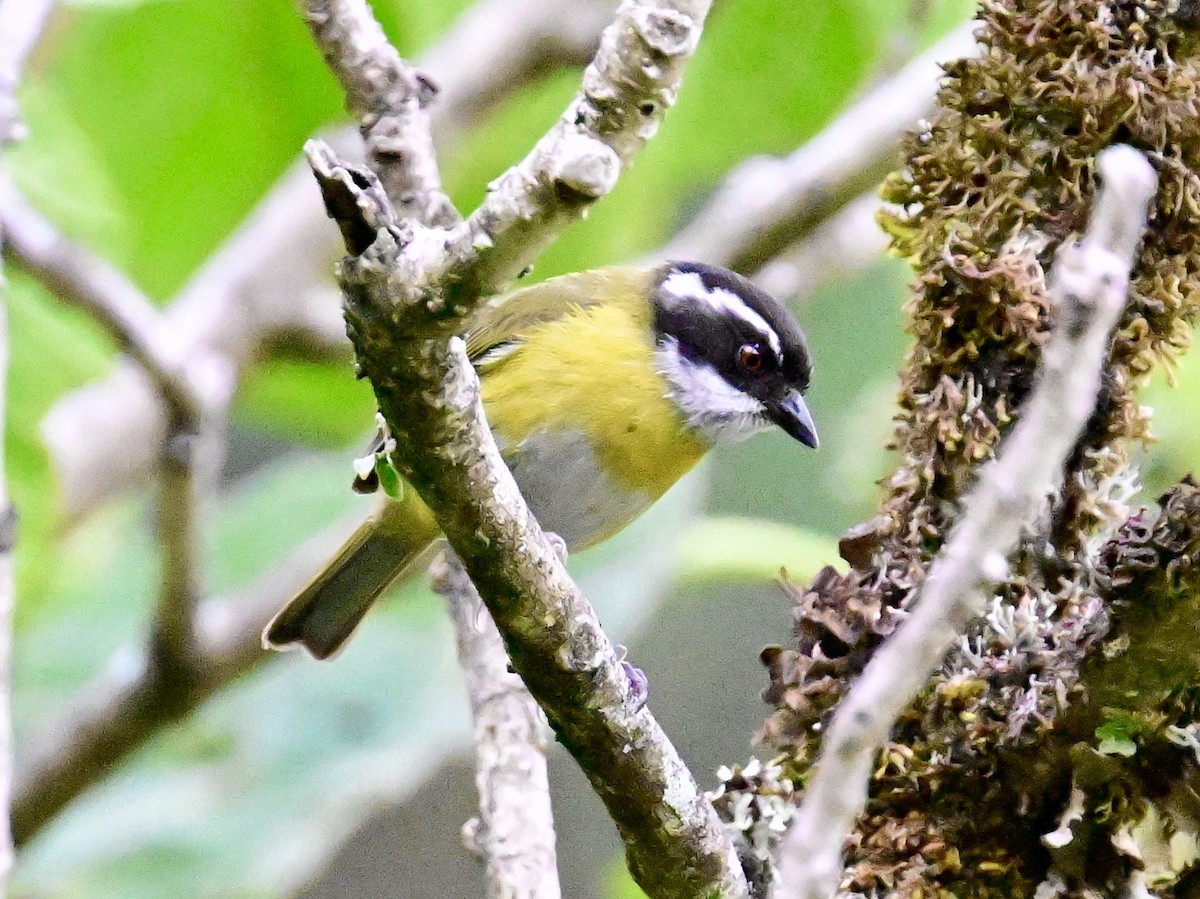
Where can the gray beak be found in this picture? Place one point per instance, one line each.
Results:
(792, 415)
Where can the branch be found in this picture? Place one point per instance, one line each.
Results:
(79, 277)
(388, 98)
(1089, 286)
(429, 395)
(509, 42)
(626, 89)
(261, 283)
(256, 274)
(766, 204)
(514, 832)
(86, 281)
(397, 281)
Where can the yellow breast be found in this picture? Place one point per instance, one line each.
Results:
(591, 373)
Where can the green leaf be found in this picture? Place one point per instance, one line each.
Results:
(1118, 736)
(751, 549)
(389, 478)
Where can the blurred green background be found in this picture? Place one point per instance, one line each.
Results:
(155, 128)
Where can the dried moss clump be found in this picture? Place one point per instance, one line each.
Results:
(994, 184)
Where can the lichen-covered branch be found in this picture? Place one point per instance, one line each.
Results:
(632, 80)
(388, 97)
(429, 395)
(514, 830)
(1088, 293)
(406, 288)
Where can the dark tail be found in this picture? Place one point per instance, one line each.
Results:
(325, 613)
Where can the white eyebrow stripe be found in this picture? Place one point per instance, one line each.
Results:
(690, 284)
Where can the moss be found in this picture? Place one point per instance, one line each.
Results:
(993, 184)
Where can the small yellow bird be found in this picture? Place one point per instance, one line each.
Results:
(602, 388)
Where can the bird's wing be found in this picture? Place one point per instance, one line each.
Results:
(503, 322)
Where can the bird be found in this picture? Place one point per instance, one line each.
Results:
(602, 388)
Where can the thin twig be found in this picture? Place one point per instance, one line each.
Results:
(387, 97)
(1088, 289)
(766, 204)
(78, 276)
(514, 831)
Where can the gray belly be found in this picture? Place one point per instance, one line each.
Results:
(566, 490)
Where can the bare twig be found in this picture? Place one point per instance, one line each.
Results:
(1088, 288)
(514, 831)
(83, 279)
(766, 204)
(122, 708)
(272, 276)
(388, 98)
(843, 244)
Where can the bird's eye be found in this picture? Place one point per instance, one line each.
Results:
(750, 358)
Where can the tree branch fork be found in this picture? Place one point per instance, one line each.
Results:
(408, 282)
(429, 394)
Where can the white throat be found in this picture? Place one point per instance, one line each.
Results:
(709, 403)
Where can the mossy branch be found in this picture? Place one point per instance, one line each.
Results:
(983, 763)
(1088, 293)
